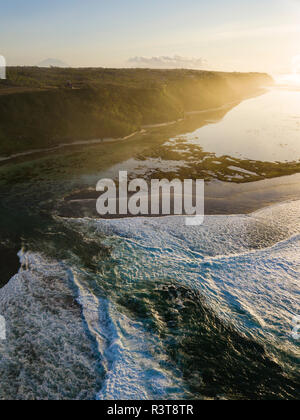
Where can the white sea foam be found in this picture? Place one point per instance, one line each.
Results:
(46, 354)
(247, 268)
(132, 357)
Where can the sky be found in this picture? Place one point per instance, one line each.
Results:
(227, 35)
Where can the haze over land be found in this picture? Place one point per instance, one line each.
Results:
(250, 35)
(117, 103)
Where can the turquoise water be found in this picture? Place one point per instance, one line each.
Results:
(170, 312)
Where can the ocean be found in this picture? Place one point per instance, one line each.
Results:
(171, 312)
(148, 308)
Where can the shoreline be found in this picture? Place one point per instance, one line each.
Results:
(143, 130)
(63, 145)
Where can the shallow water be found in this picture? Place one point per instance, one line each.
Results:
(252, 141)
(266, 128)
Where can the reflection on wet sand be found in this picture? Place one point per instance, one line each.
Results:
(233, 185)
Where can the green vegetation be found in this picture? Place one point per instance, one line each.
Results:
(44, 107)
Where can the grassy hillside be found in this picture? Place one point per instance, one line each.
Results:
(43, 107)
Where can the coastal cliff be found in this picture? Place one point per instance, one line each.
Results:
(41, 108)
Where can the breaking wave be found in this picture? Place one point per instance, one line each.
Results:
(171, 312)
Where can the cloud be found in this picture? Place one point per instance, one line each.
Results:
(52, 62)
(167, 62)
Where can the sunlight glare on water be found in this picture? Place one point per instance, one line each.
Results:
(289, 80)
(265, 128)
(292, 79)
